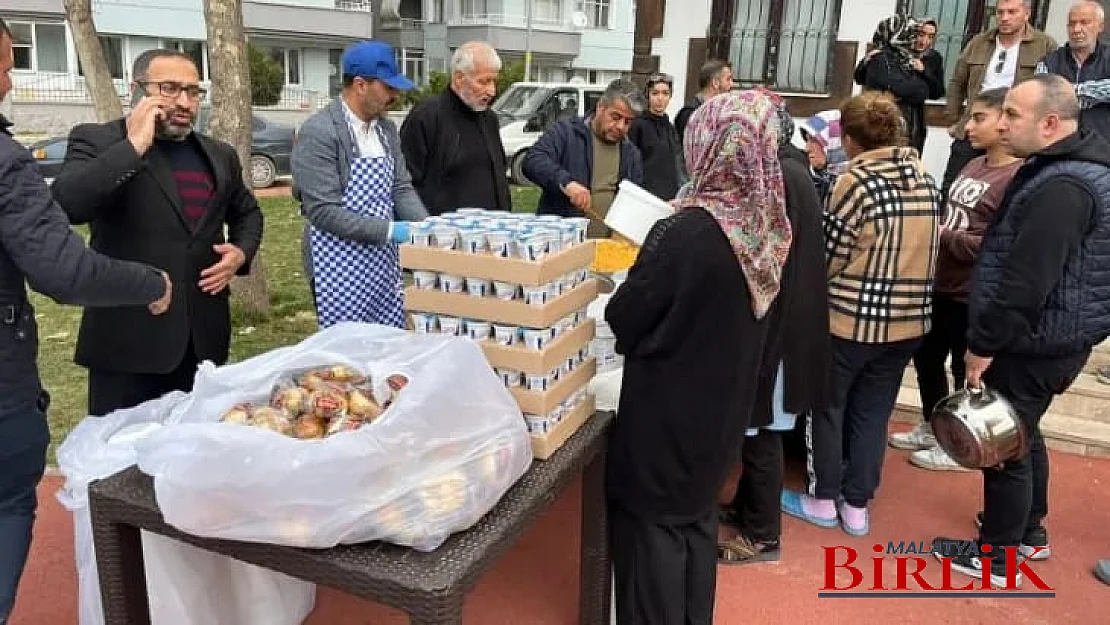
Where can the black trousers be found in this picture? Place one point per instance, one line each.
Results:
(947, 338)
(664, 574)
(960, 154)
(110, 390)
(1015, 495)
(847, 441)
(756, 503)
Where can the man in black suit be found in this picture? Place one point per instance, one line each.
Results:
(154, 191)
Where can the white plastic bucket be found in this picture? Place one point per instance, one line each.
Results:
(634, 211)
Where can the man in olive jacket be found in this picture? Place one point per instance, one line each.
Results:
(38, 247)
(1000, 57)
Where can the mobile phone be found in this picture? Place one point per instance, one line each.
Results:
(137, 95)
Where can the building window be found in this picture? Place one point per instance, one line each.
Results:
(436, 12)
(472, 9)
(785, 44)
(335, 72)
(597, 13)
(195, 50)
(113, 56)
(411, 62)
(547, 11)
(290, 61)
(960, 20)
(39, 47)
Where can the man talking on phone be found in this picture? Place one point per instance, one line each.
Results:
(37, 246)
(155, 191)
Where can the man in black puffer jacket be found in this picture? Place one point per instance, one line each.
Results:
(1040, 300)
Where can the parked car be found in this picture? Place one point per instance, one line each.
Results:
(527, 109)
(271, 147)
(49, 154)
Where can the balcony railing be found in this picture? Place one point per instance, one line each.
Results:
(353, 5)
(403, 23)
(511, 20)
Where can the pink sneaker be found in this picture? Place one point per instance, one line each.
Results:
(854, 521)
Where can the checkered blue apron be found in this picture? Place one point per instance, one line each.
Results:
(356, 281)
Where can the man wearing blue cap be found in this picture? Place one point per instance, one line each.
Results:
(355, 191)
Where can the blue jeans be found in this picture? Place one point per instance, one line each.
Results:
(24, 437)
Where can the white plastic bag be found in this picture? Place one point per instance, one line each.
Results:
(441, 456)
(185, 585)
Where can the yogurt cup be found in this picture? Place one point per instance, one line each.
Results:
(554, 289)
(537, 424)
(471, 212)
(478, 287)
(580, 225)
(506, 291)
(569, 281)
(477, 329)
(435, 220)
(531, 246)
(566, 324)
(569, 235)
(425, 280)
(501, 243)
(554, 240)
(567, 366)
(536, 339)
(449, 325)
(505, 334)
(420, 234)
(548, 219)
(451, 284)
(473, 240)
(423, 323)
(464, 222)
(556, 414)
(509, 377)
(536, 295)
(445, 237)
(539, 382)
(583, 275)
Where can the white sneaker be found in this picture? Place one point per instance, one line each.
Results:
(935, 459)
(920, 437)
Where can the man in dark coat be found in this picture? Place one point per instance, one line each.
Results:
(37, 246)
(714, 78)
(1038, 305)
(153, 190)
(452, 141)
(579, 163)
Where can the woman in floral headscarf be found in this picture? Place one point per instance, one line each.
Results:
(691, 321)
(896, 69)
(795, 364)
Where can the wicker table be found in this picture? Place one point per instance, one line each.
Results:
(430, 587)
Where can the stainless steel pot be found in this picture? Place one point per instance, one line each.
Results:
(979, 428)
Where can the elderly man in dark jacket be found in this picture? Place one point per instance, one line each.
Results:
(452, 141)
(580, 162)
(1039, 302)
(38, 246)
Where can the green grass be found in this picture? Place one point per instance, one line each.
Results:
(291, 318)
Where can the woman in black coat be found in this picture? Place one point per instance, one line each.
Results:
(895, 68)
(691, 321)
(793, 379)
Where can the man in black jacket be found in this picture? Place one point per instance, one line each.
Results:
(155, 191)
(38, 246)
(580, 162)
(452, 141)
(714, 78)
(1040, 300)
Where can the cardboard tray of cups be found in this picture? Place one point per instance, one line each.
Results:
(492, 267)
(496, 310)
(545, 445)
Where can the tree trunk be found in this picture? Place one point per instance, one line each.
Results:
(231, 120)
(98, 80)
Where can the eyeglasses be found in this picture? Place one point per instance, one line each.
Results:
(174, 89)
(1001, 61)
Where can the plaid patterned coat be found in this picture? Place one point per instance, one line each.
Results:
(881, 242)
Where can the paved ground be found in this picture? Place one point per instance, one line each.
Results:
(536, 583)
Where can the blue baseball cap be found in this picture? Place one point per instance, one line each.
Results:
(376, 60)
